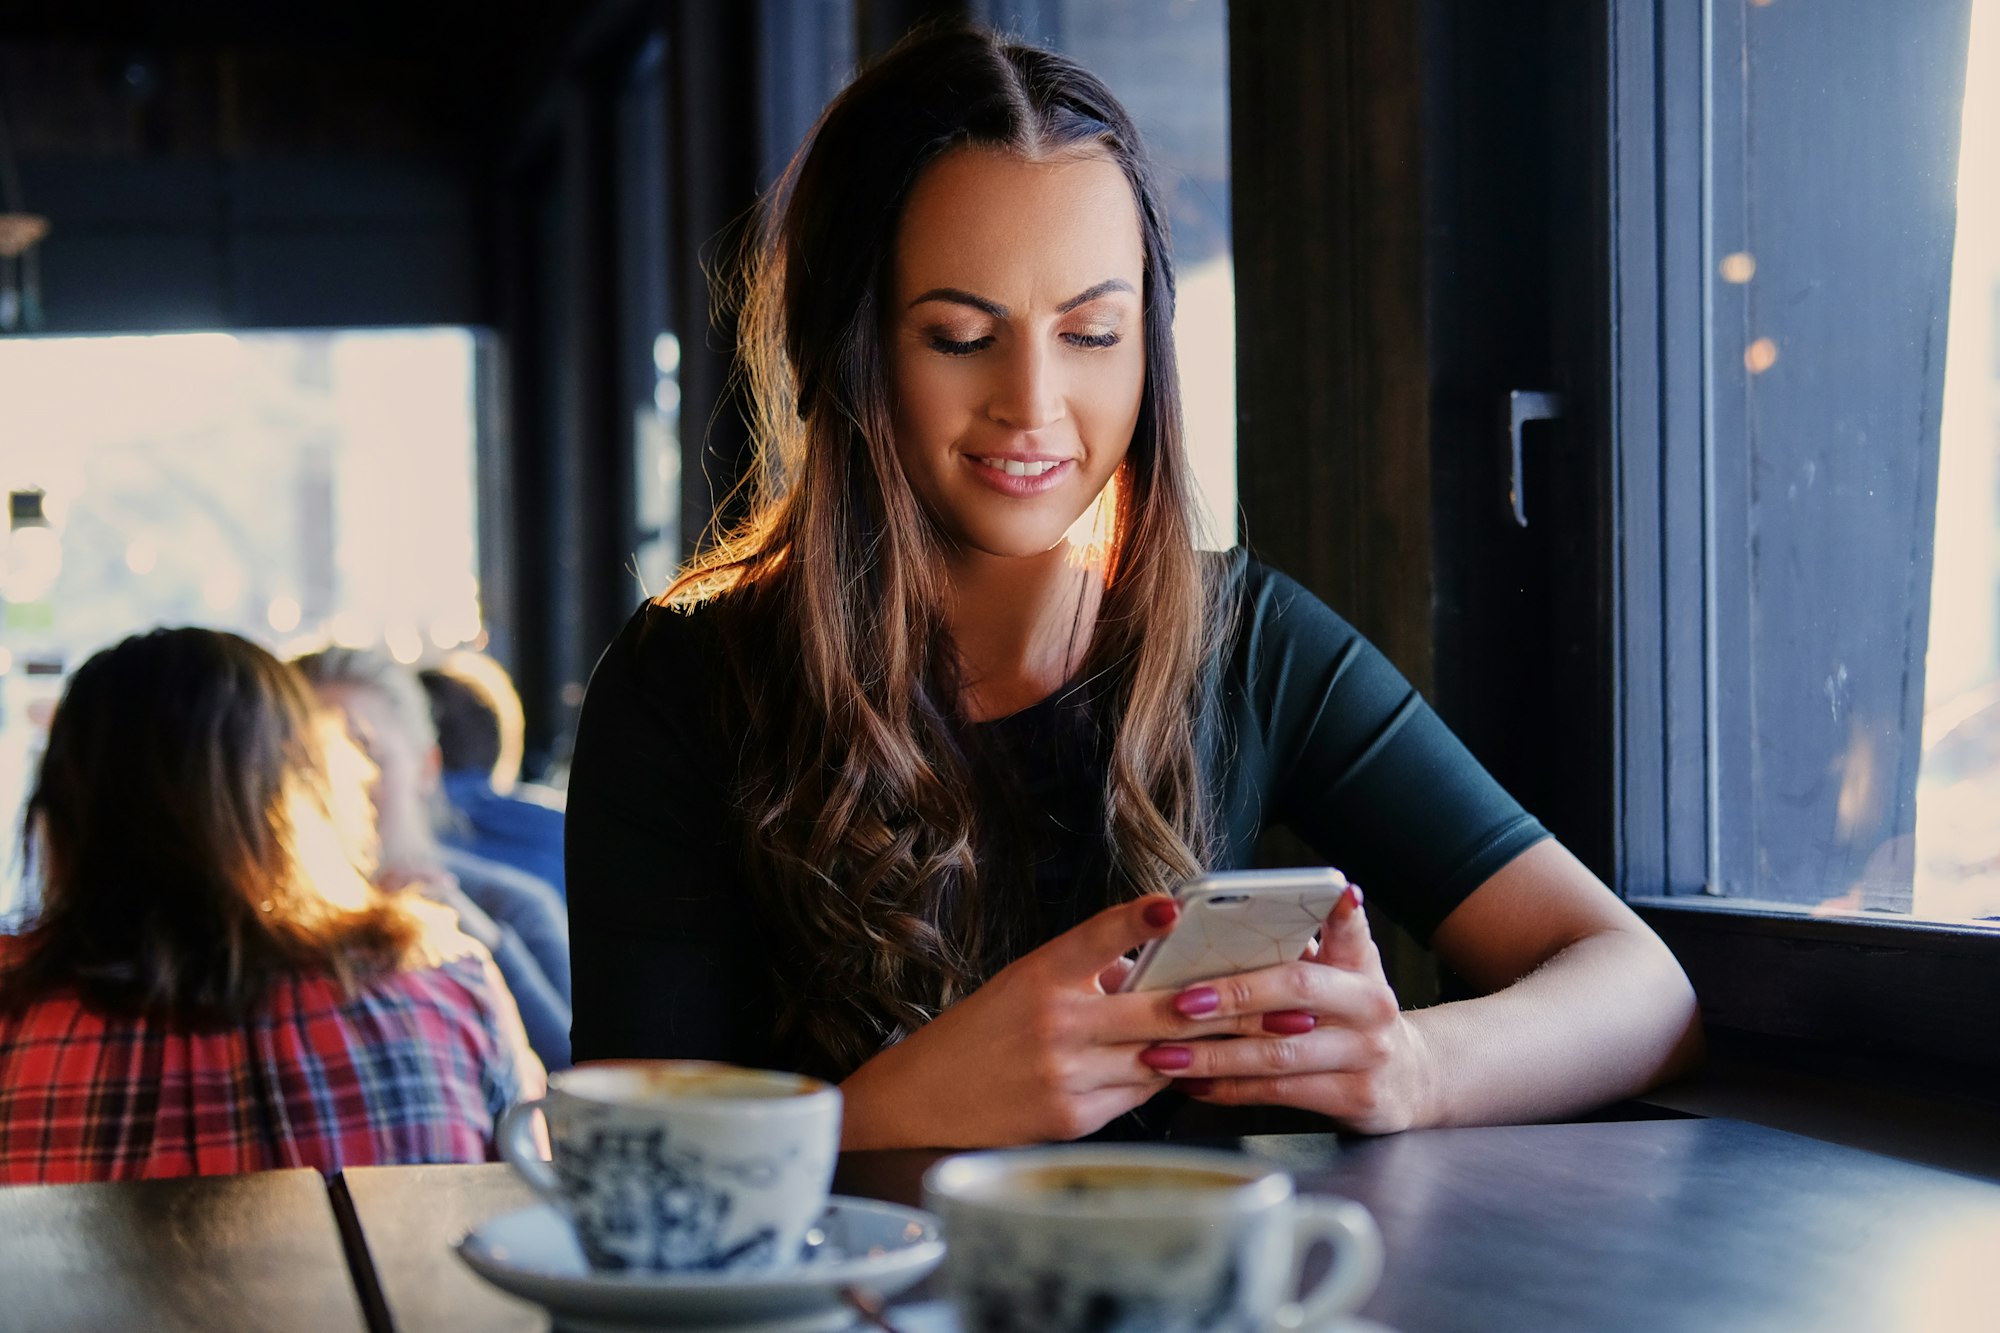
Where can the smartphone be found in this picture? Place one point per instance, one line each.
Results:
(1237, 921)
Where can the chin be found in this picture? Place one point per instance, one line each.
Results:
(1010, 541)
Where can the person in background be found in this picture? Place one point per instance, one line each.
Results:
(210, 984)
(514, 914)
(479, 730)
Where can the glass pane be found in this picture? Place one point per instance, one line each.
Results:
(1168, 62)
(296, 488)
(1958, 784)
(648, 349)
(1852, 468)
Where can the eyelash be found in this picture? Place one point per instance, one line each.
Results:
(1091, 341)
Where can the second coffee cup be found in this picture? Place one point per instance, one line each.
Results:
(674, 1166)
(1083, 1239)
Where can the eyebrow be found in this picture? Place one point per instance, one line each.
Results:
(958, 296)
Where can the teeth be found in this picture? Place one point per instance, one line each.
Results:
(1014, 467)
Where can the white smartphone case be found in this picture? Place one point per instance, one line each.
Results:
(1238, 921)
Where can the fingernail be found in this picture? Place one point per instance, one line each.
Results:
(1195, 1087)
(1290, 1022)
(1354, 898)
(1166, 1058)
(1197, 1002)
(1161, 913)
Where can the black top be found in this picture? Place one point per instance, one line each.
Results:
(1317, 732)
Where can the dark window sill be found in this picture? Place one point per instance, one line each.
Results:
(1911, 998)
(1940, 1115)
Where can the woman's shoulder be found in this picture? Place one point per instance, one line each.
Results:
(456, 984)
(1270, 609)
(660, 641)
(664, 668)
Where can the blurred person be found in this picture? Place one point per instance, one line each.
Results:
(210, 984)
(479, 729)
(516, 915)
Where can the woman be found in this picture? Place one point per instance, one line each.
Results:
(889, 781)
(211, 985)
(515, 915)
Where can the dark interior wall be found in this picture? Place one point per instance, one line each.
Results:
(231, 188)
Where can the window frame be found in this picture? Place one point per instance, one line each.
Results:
(1898, 988)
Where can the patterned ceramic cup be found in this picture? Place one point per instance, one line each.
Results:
(675, 1166)
(1142, 1237)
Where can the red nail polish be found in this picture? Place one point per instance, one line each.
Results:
(1167, 1058)
(1162, 913)
(1197, 1002)
(1355, 890)
(1290, 1022)
(1195, 1087)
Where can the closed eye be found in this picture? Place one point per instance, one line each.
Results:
(1092, 339)
(952, 347)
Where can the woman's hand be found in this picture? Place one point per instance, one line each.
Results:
(1043, 1051)
(1324, 1033)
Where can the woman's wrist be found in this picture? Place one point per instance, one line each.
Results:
(869, 1110)
(1424, 1081)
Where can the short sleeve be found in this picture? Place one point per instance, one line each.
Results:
(1327, 738)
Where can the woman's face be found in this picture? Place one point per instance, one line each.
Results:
(1017, 346)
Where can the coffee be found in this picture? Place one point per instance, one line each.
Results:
(1102, 1181)
(651, 1080)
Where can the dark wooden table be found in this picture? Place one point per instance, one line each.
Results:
(1635, 1225)
(408, 1217)
(233, 1252)
(1665, 1225)
(1649, 1225)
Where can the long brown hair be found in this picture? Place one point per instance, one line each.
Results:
(184, 829)
(866, 853)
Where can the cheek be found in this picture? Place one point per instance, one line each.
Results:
(931, 400)
(1106, 403)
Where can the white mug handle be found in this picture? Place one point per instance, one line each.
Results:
(1357, 1261)
(514, 1137)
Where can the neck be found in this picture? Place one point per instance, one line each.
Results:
(1022, 625)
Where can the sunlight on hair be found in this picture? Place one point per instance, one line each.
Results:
(322, 852)
(493, 683)
(1090, 537)
(345, 812)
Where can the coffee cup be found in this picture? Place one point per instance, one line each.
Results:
(1117, 1239)
(679, 1166)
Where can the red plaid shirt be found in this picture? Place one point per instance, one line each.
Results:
(413, 1068)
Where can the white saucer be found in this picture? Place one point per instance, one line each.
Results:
(936, 1317)
(878, 1248)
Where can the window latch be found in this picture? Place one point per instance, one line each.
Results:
(1524, 405)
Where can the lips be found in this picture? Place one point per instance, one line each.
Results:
(1020, 476)
(1020, 467)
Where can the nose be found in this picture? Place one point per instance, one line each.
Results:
(1026, 394)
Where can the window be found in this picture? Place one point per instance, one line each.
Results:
(650, 352)
(1810, 460)
(296, 488)
(1168, 62)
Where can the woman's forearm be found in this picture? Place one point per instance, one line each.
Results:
(1607, 1017)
